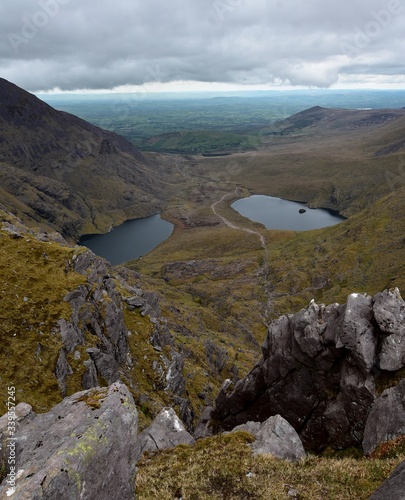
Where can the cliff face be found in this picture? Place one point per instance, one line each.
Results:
(320, 369)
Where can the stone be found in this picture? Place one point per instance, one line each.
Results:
(22, 413)
(386, 420)
(389, 312)
(275, 437)
(203, 427)
(90, 378)
(62, 370)
(105, 365)
(166, 431)
(394, 487)
(82, 448)
(134, 302)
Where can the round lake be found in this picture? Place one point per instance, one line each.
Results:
(130, 240)
(276, 213)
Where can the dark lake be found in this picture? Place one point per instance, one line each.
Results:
(276, 213)
(130, 240)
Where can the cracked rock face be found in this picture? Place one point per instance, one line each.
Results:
(82, 448)
(318, 370)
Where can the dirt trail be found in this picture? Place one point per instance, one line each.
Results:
(264, 272)
(231, 224)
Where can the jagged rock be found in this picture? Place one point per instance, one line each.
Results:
(62, 370)
(90, 378)
(386, 420)
(151, 307)
(317, 371)
(204, 428)
(394, 487)
(389, 312)
(134, 302)
(82, 448)
(96, 308)
(166, 431)
(186, 412)
(105, 364)
(175, 382)
(71, 335)
(216, 357)
(275, 437)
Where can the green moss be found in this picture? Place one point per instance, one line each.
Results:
(94, 398)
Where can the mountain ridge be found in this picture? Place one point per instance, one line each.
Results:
(72, 175)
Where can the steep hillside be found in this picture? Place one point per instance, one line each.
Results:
(62, 171)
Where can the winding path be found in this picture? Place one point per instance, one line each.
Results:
(231, 224)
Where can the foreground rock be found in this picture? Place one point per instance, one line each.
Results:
(318, 370)
(275, 437)
(166, 431)
(386, 420)
(394, 487)
(82, 448)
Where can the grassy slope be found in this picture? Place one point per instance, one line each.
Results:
(33, 282)
(331, 163)
(223, 467)
(366, 253)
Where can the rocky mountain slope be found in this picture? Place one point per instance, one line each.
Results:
(73, 176)
(70, 321)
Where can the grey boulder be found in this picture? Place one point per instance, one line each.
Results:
(275, 437)
(165, 432)
(81, 449)
(386, 420)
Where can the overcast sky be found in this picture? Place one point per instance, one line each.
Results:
(110, 44)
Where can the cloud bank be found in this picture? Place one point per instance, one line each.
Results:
(100, 44)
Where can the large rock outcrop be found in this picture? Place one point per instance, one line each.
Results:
(97, 310)
(319, 368)
(82, 449)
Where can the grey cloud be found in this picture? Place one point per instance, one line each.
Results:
(71, 44)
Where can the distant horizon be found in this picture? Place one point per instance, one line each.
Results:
(212, 91)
